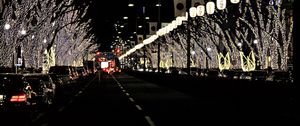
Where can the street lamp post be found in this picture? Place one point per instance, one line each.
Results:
(144, 36)
(158, 44)
(188, 63)
(257, 64)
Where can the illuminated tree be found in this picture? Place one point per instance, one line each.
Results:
(59, 28)
(262, 27)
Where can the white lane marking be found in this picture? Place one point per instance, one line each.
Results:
(71, 101)
(61, 109)
(131, 99)
(138, 107)
(149, 120)
(38, 117)
(80, 92)
(115, 79)
(45, 124)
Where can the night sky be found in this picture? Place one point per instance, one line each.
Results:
(104, 16)
(105, 13)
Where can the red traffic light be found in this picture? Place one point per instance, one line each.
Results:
(117, 51)
(98, 53)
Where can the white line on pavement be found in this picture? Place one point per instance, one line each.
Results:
(38, 117)
(131, 99)
(149, 120)
(61, 109)
(45, 124)
(138, 107)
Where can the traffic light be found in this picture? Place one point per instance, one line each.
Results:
(117, 51)
(98, 53)
(98, 56)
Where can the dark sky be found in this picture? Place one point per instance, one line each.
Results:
(105, 13)
(103, 21)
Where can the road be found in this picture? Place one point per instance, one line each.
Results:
(116, 100)
(125, 100)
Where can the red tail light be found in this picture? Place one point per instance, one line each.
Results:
(105, 70)
(18, 98)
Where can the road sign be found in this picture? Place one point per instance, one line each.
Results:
(18, 64)
(19, 61)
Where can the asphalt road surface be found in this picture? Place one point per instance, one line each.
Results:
(123, 100)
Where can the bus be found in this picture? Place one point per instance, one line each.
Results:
(110, 66)
(108, 62)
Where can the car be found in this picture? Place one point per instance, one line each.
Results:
(63, 72)
(44, 88)
(280, 77)
(173, 70)
(229, 74)
(195, 71)
(15, 92)
(213, 74)
(246, 76)
(57, 81)
(259, 75)
(81, 71)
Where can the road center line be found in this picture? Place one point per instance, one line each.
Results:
(38, 117)
(131, 99)
(61, 109)
(139, 107)
(80, 92)
(45, 124)
(148, 119)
